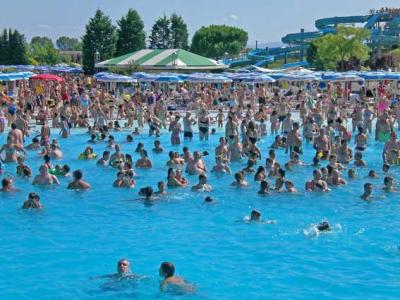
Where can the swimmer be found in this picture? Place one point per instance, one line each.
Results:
(167, 271)
(358, 160)
(289, 185)
(87, 154)
(221, 167)
(372, 174)
(92, 140)
(161, 188)
(315, 230)
(157, 147)
(323, 226)
(7, 186)
(129, 138)
(367, 192)
(208, 199)
(32, 202)
(123, 271)
(255, 215)
(35, 145)
(202, 185)
(78, 183)
(385, 168)
(144, 162)
(239, 180)
(135, 131)
(104, 161)
(23, 169)
(388, 184)
(44, 177)
(351, 173)
(147, 193)
(264, 188)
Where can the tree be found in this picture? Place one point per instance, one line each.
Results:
(334, 51)
(217, 41)
(43, 40)
(179, 33)
(13, 49)
(100, 37)
(160, 37)
(65, 43)
(43, 52)
(131, 36)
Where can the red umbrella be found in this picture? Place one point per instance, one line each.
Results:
(47, 77)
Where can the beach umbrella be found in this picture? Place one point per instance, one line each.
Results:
(47, 77)
(42, 69)
(111, 77)
(341, 77)
(392, 76)
(167, 79)
(259, 79)
(304, 77)
(207, 78)
(140, 75)
(15, 76)
(372, 75)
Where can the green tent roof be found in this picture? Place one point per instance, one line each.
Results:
(163, 59)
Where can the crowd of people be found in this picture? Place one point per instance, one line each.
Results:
(327, 118)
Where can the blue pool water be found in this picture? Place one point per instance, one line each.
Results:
(53, 253)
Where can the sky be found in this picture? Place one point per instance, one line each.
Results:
(265, 20)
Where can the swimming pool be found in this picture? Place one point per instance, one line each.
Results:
(53, 253)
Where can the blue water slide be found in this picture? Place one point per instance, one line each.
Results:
(334, 21)
(300, 37)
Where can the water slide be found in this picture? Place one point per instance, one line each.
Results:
(297, 43)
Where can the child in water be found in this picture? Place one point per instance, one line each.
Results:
(178, 284)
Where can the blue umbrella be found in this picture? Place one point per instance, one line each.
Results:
(304, 77)
(167, 79)
(15, 76)
(341, 77)
(372, 75)
(259, 79)
(111, 77)
(392, 76)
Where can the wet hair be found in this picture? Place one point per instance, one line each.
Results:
(323, 226)
(264, 184)
(46, 158)
(367, 185)
(66, 168)
(202, 177)
(256, 214)
(5, 182)
(78, 174)
(26, 171)
(387, 179)
(34, 195)
(168, 269)
(208, 199)
(128, 158)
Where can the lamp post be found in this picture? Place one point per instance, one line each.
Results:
(96, 58)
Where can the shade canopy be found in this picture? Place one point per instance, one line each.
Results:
(162, 59)
(111, 77)
(15, 76)
(47, 77)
